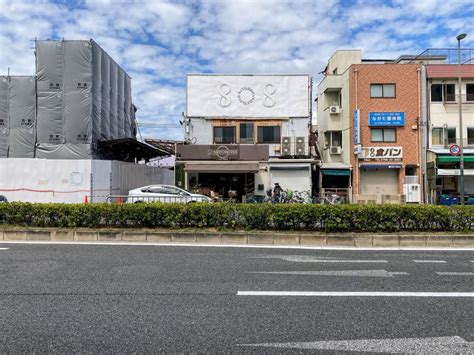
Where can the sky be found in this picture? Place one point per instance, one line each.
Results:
(159, 42)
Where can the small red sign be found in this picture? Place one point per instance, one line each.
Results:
(454, 149)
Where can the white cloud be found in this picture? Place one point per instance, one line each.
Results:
(159, 41)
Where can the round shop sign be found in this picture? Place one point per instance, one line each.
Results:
(454, 149)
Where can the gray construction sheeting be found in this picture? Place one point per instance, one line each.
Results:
(4, 121)
(121, 104)
(64, 151)
(128, 107)
(96, 91)
(22, 117)
(17, 116)
(114, 134)
(105, 107)
(83, 97)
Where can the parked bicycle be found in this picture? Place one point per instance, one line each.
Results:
(332, 199)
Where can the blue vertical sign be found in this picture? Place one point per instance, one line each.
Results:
(356, 126)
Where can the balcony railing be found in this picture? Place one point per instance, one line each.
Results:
(445, 56)
(468, 143)
(453, 99)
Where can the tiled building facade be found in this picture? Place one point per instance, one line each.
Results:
(369, 119)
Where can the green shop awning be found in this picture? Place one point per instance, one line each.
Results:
(454, 159)
(336, 172)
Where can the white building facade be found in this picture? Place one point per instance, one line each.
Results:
(245, 133)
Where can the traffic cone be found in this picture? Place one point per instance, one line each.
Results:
(119, 200)
(86, 200)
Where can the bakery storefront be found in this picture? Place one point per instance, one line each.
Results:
(214, 170)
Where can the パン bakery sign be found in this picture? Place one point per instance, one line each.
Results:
(382, 153)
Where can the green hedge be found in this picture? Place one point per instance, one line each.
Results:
(324, 218)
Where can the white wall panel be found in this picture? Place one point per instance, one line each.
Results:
(263, 96)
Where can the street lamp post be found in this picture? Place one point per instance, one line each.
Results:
(461, 145)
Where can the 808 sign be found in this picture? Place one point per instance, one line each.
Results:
(246, 95)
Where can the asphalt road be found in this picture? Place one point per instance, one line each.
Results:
(128, 298)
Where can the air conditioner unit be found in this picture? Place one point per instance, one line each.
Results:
(333, 110)
(286, 146)
(335, 150)
(301, 146)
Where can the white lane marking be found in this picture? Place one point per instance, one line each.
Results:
(4, 248)
(351, 273)
(456, 273)
(243, 246)
(435, 345)
(354, 294)
(430, 261)
(312, 259)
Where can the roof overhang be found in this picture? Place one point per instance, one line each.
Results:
(128, 149)
(230, 167)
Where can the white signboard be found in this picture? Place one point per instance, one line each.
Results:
(382, 153)
(257, 96)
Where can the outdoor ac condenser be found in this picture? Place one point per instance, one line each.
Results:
(301, 146)
(286, 146)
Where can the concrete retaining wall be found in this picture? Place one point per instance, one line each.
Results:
(241, 237)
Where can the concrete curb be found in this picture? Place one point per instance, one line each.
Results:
(362, 240)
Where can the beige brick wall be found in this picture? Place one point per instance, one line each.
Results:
(407, 78)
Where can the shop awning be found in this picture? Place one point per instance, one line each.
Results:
(454, 159)
(290, 167)
(336, 172)
(381, 166)
(454, 172)
(221, 167)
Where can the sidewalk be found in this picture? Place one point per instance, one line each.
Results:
(363, 240)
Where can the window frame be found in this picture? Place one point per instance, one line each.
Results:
(223, 127)
(470, 95)
(383, 129)
(383, 95)
(442, 136)
(447, 135)
(252, 137)
(269, 142)
(444, 92)
(467, 135)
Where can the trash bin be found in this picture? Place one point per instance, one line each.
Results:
(445, 200)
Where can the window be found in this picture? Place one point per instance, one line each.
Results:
(333, 138)
(246, 133)
(437, 136)
(443, 136)
(382, 90)
(442, 92)
(451, 135)
(383, 134)
(269, 134)
(470, 135)
(224, 135)
(469, 92)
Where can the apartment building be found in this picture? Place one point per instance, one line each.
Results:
(369, 119)
(442, 103)
(246, 132)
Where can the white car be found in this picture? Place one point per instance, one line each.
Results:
(164, 193)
